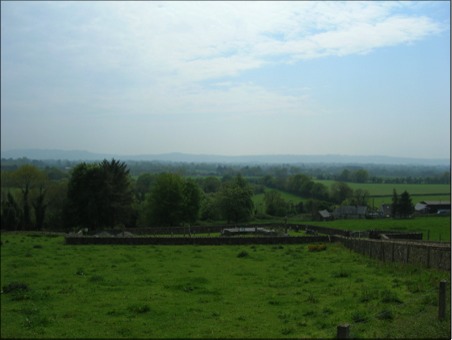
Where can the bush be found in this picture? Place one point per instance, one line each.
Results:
(316, 247)
(243, 253)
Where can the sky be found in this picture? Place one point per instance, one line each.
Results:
(227, 78)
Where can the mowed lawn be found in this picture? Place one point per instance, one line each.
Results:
(54, 290)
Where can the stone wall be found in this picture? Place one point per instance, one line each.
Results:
(82, 240)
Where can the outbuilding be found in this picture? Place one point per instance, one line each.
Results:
(432, 207)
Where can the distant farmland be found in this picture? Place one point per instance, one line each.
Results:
(379, 193)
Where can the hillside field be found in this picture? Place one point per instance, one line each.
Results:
(379, 193)
(382, 192)
(54, 290)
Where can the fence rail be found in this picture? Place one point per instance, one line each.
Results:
(426, 254)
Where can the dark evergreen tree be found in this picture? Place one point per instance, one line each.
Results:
(39, 207)
(406, 207)
(99, 195)
(395, 204)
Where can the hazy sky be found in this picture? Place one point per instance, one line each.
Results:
(231, 78)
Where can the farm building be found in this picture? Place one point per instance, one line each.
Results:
(432, 207)
(350, 211)
(325, 215)
(248, 231)
(386, 210)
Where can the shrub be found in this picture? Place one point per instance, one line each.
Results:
(243, 253)
(316, 247)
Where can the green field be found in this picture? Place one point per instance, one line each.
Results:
(383, 191)
(433, 228)
(379, 193)
(210, 291)
(259, 203)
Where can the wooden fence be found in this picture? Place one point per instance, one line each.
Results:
(431, 255)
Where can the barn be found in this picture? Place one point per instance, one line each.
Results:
(432, 207)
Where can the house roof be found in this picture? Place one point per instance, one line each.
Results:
(436, 202)
(420, 206)
(325, 213)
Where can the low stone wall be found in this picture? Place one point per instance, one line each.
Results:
(193, 229)
(325, 230)
(424, 254)
(83, 240)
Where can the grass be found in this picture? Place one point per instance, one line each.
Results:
(382, 192)
(379, 193)
(433, 228)
(385, 189)
(60, 291)
(259, 203)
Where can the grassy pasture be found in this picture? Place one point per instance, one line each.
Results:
(434, 228)
(383, 191)
(380, 193)
(259, 203)
(386, 188)
(210, 291)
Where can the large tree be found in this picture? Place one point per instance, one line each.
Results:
(99, 195)
(406, 207)
(235, 200)
(10, 212)
(340, 191)
(173, 200)
(275, 205)
(28, 178)
(395, 203)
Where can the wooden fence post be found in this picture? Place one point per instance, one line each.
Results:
(442, 300)
(343, 331)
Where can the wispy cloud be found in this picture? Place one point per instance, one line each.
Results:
(151, 59)
(203, 40)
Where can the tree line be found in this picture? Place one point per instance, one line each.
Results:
(106, 195)
(368, 173)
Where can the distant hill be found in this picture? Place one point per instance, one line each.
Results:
(81, 155)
